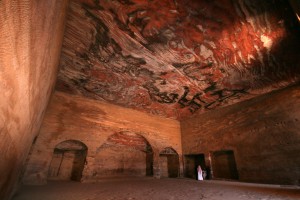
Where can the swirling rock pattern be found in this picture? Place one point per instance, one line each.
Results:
(176, 57)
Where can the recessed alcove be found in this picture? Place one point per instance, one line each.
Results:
(68, 160)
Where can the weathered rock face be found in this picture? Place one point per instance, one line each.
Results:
(29, 57)
(119, 141)
(68, 161)
(259, 137)
(173, 58)
(124, 153)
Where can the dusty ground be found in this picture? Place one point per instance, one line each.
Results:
(156, 189)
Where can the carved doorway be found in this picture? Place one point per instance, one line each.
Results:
(190, 165)
(68, 161)
(224, 165)
(169, 163)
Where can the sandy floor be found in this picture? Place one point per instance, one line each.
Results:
(156, 189)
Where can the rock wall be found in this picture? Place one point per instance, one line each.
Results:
(29, 55)
(120, 141)
(263, 134)
(175, 58)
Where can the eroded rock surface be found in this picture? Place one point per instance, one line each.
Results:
(174, 58)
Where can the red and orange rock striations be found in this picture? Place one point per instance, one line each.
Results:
(173, 58)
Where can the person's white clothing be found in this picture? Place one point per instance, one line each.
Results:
(199, 170)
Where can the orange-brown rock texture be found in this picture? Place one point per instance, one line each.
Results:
(29, 55)
(148, 87)
(263, 134)
(174, 58)
(119, 141)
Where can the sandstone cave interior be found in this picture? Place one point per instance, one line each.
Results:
(110, 91)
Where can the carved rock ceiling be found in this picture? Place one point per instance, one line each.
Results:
(176, 57)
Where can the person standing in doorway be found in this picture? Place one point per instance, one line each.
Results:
(199, 170)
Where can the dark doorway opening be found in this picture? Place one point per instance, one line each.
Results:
(224, 165)
(169, 163)
(68, 161)
(149, 163)
(191, 162)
